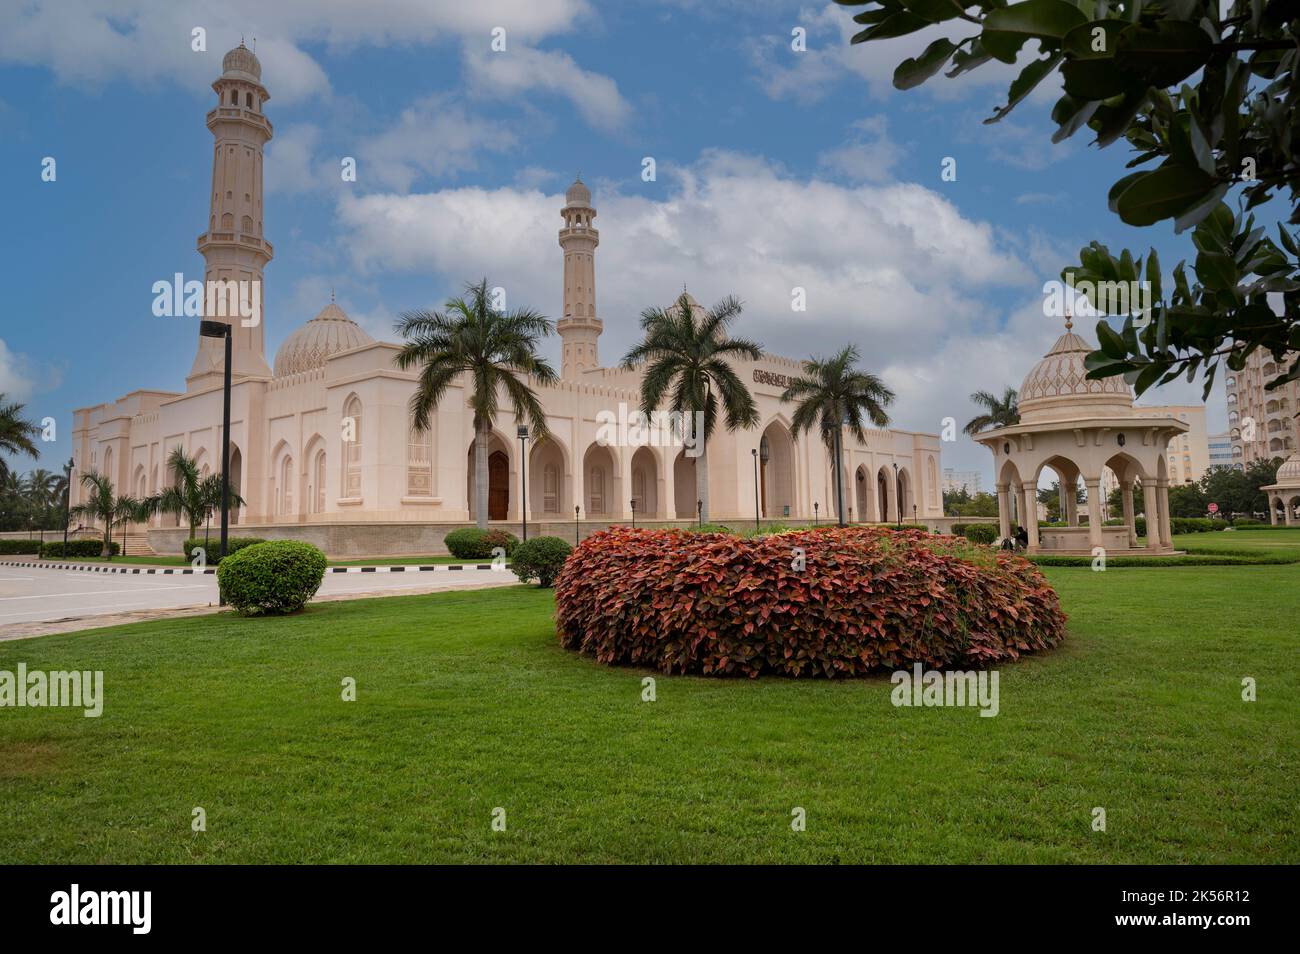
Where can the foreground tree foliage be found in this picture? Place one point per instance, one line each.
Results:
(1206, 102)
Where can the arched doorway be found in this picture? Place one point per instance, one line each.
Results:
(883, 496)
(645, 482)
(905, 499)
(776, 472)
(548, 490)
(600, 482)
(684, 487)
(498, 484)
(862, 493)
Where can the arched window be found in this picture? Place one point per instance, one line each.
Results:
(597, 490)
(286, 485)
(551, 489)
(419, 462)
(248, 100)
(352, 447)
(318, 483)
(227, 221)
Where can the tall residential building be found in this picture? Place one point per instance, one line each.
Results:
(1262, 424)
(957, 479)
(1188, 454)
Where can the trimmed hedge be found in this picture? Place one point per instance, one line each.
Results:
(23, 547)
(839, 602)
(77, 548)
(471, 543)
(278, 576)
(233, 545)
(981, 533)
(540, 559)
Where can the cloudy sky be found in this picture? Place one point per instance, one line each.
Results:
(776, 168)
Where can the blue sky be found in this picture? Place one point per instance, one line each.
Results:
(775, 169)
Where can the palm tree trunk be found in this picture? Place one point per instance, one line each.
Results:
(481, 474)
(107, 549)
(839, 477)
(702, 480)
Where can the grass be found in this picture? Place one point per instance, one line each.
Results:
(1213, 548)
(465, 703)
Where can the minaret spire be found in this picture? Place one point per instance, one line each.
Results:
(579, 328)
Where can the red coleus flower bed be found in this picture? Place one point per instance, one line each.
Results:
(866, 598)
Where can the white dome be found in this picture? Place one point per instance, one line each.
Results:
(1057, 387)
(242, 63)
(578, 194)
(1288, 471)
(311, 345)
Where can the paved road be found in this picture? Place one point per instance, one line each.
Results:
(39, 594)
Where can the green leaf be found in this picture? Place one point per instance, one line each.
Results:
(1163, 193)
(1216, 271)
(1163, 56)
(1006, 29)
(1112, 345)
(1153, 276)
(936, 11)
(1070, 115)
(1024, 84)
(898, 24)
(913, 72)
(1194, 214)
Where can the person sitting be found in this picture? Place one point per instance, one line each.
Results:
(1022, 538)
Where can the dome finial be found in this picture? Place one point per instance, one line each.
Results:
(1069, 323)
(331, 294)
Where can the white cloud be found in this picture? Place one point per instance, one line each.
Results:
(518, 69)
(868, 156)
(90, 42)
(436, 137)
(21, 376)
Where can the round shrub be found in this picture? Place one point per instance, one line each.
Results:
(981, 533)
(213, 547)
(540, 559)
(279, 576)
(847, 602)
(471, 543)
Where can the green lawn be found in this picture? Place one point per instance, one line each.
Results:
(466, 703)
(181, 561)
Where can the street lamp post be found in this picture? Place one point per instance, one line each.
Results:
(699, 513)
(757, 518)
(898, 499)
(220, 329)
(576, 508)
(67, 502)
(633, 513)
(523, 476)
(815, 506)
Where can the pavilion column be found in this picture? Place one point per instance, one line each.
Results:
(624, 509)
(1272, 510)
(1094, 510)
(1029, 514)
(1151, 509)
(1286, 510)
(1166, 536)
(1129, 519)
(667, 491)
(1071, 511)
(1004, 511)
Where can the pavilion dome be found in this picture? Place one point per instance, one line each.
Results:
(1058, 388)
(578, 194)
(1289, 471)
(311, 345)
(242, 63)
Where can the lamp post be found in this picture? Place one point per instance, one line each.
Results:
(914, 513)
(67, 501)
(576, 508)
(633, 513)
(220, 329)
(757, 518)
(699, 513)
(523, 476)
(815, 506)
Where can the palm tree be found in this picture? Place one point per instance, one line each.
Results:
(17, 435)
(192, 495)
(103, 504)
(40, 488)
(686, 352)
(496, 349)
(998, 412)
(834, 394)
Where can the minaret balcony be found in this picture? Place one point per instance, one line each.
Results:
(243, 239)
(240, 114)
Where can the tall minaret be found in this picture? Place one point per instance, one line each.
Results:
(579, 328)
(233, 247)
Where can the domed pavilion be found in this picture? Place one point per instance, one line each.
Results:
(1078, 427)
(1284, 492)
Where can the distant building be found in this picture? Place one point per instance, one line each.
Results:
(1262, 424)
(1221, 451)
(954, 480)
(1188, 454)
